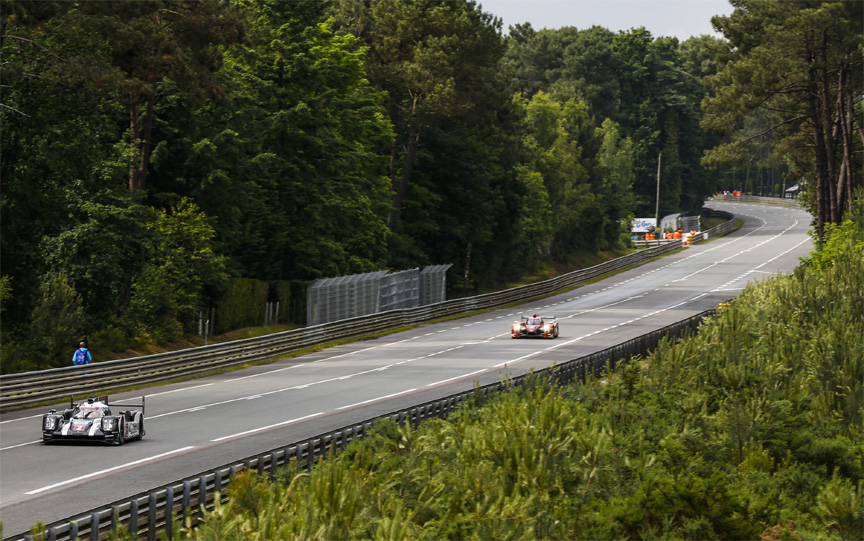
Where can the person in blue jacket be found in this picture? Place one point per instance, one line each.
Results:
(81, 355)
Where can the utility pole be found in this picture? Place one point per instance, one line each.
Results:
(657, 208)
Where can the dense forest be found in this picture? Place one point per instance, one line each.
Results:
(750, 430)
(155, 152)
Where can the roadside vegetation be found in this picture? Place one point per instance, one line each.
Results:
(753, 429)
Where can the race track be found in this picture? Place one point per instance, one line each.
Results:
(197, 425)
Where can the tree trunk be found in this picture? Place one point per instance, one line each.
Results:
(467, 267)
(818, 147)
(856, 122)
(141, 143)
(400, 187)
(845, 112)
(829, 139)
(133, 130)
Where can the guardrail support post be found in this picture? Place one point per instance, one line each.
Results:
(94, 527)
(186, 490)
(151, 517)
(169, 512)
(133, 518)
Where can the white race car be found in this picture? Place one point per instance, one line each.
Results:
(92, 420)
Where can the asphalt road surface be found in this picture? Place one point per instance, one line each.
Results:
(198, 425)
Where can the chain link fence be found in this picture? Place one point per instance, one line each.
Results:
(689, 223)
(345, 297)
(400, 290)
(433, 284)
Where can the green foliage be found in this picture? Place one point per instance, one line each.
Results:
(105, 244)
(169, 292)
(840, 505)
(616, 199)
(839, 240)
(243, 305)
(56, 328)
(315, 140)
(5, 291)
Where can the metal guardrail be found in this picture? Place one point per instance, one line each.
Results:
(722, 229)
(162, 508)
(759, 200)
(32, 388)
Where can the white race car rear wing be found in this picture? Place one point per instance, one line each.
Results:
(104, 399)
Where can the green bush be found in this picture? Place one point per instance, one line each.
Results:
(243, 306)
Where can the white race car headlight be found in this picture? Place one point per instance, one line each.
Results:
(50, 423)
(547, 328)
(108, 424)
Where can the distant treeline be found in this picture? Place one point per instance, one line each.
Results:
(151, 152)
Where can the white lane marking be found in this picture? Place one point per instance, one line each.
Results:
(292, 388)
(283, 423)
(778, 256)
(728, 285)
(183, 389)
(406, 361)
(457, 377)
(443, 351)
(125, 465)
(769, 239)
(376, 399)
(264, 373)
(346, 354)
(20, 445)
(21, 419)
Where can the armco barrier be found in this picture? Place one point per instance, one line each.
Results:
(151, 512)
(31, 388)
(759, 200)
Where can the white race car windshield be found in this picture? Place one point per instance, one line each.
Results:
(88, 413)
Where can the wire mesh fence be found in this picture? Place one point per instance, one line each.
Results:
(433, 284)
(400, 290)
(689, 223)
(345, 297)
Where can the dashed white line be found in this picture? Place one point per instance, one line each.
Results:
(183, 389)
(263, 428)
(124, 465)
(20, 445)
(458, 377)
(376, 399)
